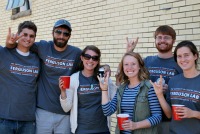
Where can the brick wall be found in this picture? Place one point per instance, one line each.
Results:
(106, 23)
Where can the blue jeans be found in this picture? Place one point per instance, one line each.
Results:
(17, 127)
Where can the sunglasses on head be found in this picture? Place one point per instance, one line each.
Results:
(59, 32)
(88, 57)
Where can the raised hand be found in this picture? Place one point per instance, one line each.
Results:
(131, 44)
(103, 82)
(158, 86)
(12, 38)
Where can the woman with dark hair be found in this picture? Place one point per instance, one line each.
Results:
(83, 97)
(184, 89)
(135, 97)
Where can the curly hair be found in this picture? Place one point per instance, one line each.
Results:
(143, 73)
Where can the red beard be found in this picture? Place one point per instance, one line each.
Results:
(168, 47)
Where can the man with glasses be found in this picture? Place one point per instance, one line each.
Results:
(57, 58)
(161, 64)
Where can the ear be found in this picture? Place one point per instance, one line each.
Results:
(81, 58)
(173, 41)
(195, 56)
(70, 36)
(52, 33)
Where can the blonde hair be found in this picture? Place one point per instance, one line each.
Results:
(143, 73)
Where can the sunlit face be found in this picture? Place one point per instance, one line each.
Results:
(90, 60)
(131, 66)
(60, 37)
(186, 59)
(164, 43)
(26, 41)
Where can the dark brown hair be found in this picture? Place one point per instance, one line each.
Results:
(98, 52)
(189, 45)
(27, 24)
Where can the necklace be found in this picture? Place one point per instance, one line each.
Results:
(90, 80)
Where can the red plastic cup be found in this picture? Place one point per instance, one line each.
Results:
(175, 116)
(120, 119)
(66, 81)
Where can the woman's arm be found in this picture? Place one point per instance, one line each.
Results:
(154, 119)
(158, 88)
(66, 96)
(66, 102)
(110, 107)
(130, 125)
(155, 109)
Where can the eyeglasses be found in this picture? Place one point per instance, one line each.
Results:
(88, 57)
(59, 32)
(165, 38)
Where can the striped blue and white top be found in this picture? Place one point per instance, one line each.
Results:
(128, 102)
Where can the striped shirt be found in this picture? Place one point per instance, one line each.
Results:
(128, 102)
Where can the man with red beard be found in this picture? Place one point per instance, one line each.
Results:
(161, 64)
(57, 58)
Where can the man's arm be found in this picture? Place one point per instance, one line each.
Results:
(131, 44)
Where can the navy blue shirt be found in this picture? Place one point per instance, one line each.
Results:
(18, 77)
(54, 64)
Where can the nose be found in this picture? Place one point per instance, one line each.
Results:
(162, 40)
(90, 59)
(129, 67)
(28, 38)
(61, 35)
(181, 58)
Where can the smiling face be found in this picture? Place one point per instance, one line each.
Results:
(89, 60)
(186, 59)
(61, 36)
(131, 66)
(26, 41)
(164, 43)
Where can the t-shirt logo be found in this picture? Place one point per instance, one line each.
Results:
(88, 89)
(165, 72)
(24, 70)
(59, 63)
(184, 94)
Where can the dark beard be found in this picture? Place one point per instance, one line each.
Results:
(59, 44)
(167, 49)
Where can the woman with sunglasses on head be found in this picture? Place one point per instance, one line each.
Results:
(184, 89)
(135, 97)
(83, 97)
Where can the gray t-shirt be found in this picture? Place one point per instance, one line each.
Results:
(18, 76)
(166, 67)
(90, 114)
(159, 66)
(54, 64)
(185, 91)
